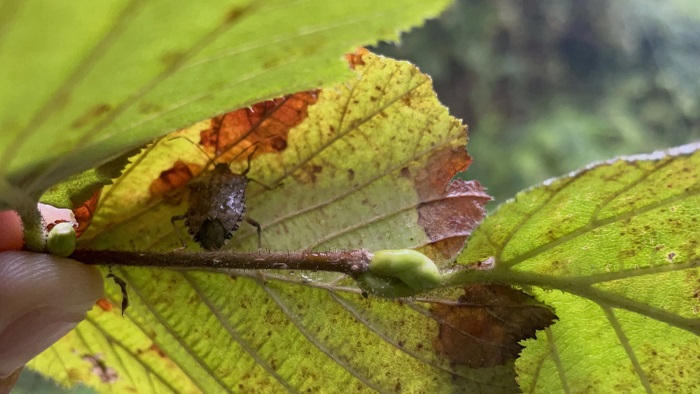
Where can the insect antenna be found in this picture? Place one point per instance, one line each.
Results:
(247, 169)
(212, 160)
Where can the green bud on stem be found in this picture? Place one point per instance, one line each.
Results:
(61, 240)
(399, 273)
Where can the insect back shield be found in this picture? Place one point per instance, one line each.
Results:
(217, 206)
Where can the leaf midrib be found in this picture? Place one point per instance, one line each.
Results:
(569, 285)
(594, 226)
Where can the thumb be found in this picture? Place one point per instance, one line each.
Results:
(42, 298)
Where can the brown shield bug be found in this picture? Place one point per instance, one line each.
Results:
(217, 207)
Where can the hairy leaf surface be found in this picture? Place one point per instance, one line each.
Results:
(82, 85)
(615, 249)
(369, 166)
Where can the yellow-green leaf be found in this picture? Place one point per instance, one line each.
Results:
(615, 249)
(368, 167)
(80, 187)
(84, 83)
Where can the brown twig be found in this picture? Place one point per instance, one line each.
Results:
(350, 262)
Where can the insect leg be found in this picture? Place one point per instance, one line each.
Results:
(250, 157)
(264, 185)
(177, 231)
(247, 169)
(122, 285)
(257, 226)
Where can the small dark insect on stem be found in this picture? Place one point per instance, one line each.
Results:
(122, 285)
(350, 262)
(217, 205)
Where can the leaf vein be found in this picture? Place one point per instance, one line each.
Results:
(631, 185)
(377, 218)
(119, 343)
(538, 371)
(76, 76)
(605, 297)
(526, 218)
(346, 192)
(427, 313)
(557, 362)
(624, 341)
(64, 367)
(164, 323)
(355, 313)
(280, 39)
(596, 225)
(202, 43)
(342, 133)
(92, 352)
(631, 273)
(294, 319)
(237, 336)
(8, 12)
(107, 194)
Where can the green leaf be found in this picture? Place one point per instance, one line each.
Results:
(30, 382)
(368, 167)
(615, 249)
(79, 188)
(84, 84)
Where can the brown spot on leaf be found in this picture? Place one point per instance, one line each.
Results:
(449, 219)
(449, 210)
(158, 350)
(351, 174)
(148, 108)
(173, 179)
(106, 373)
(626, 254)
(265, 125)
(172, 58)
(90, 115)
(104, 304)
(279, 144)
(486, 326)
(315, 169)
(355, 58)
(83, 214)
(671, 256)
(668, 366)
(235, 13)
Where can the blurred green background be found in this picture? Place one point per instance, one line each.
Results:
(548, 86)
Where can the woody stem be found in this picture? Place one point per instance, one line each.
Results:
(350, 262)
